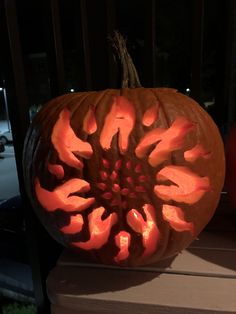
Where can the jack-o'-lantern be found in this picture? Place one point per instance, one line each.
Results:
(125, 177)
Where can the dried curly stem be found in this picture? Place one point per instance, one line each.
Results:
(130, 76)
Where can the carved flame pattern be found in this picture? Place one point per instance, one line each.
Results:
(156, 146)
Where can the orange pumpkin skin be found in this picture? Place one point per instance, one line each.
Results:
(230, 154)
(125, 177)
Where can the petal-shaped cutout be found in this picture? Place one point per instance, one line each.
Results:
(175, 217)
(75, 225)
(150, 115)
(196, 152)
(121, 118)
(122, 240)
(67, 143)
(60, 198)
(90, 123)
(99, 229)
(168, 140)
(189, 188)
(56, 170)
(148, 228)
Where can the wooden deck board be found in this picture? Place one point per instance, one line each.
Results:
(202, 279)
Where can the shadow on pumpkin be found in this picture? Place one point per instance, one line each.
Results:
(78, 278)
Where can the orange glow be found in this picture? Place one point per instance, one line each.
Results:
(60, 197)
(167, 141)
(99, 229)
(122, 240)
(148, 228)
(119, 120)
(196, 152)
(75, 225)
(67, 143)
(190, 187)
(175, 217)
(56, 170)
(89, 123)
(151, 115)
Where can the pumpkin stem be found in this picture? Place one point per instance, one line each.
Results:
(130, 76)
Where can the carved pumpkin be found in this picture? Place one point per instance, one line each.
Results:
(127, 176)
(230, 153)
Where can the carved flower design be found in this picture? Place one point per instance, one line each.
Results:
(122, 185)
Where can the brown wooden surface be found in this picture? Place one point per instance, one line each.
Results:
(202, 279)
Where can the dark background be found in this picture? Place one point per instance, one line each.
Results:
(50, 47)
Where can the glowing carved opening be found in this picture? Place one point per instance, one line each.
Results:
(99, 229)
(125, 191)
(175, 217)
(56, 170)
(67, 143)
(102, 186)
(122, 240)
(60, 198)
(107, 195)
(118, 164)
(168, 141)
(130, 180)
(196, 152)
(138, 168)
(75, 225)
(128, 165)
(190, 187)
(142, 178)
(103, 175)
(116, 188)
(114, 175)
(106, 163)
(120, 119)
(89, 123)
(151, 115)
(148, 228)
